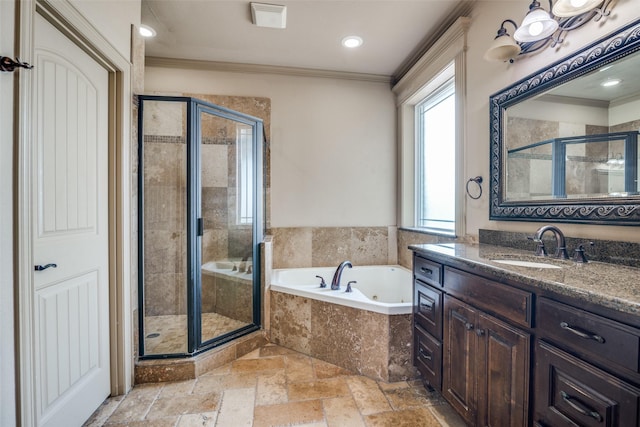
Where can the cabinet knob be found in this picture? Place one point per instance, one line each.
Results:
(468, 326)
(479, 332)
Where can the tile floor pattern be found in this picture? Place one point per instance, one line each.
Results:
(274, 386)
(168, 334)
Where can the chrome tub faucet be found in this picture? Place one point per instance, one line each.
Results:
(335, 283)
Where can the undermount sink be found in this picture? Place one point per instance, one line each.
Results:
(530, 264)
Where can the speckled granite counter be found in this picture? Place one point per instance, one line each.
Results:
(613, 286)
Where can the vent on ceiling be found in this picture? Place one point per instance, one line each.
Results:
(269, 15)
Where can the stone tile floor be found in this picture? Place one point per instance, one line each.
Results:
(168, 334)
(274, 386)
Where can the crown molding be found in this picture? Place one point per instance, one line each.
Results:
(462, 9)
(439, 55)
(234, 67)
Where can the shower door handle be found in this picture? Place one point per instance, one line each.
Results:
(200, 226)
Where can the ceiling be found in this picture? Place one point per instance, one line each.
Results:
(395, 32)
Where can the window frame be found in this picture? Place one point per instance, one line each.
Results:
(446, 58)
(433, 98)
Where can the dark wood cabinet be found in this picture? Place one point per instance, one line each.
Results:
(486, 367)
(502, 371)
(427, 321)
(506, 353)
(459, 368)
(571, 392)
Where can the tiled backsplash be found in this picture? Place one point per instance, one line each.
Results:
(299, 247)
(623, 253)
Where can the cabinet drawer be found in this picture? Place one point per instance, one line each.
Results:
(427, 271)
(427, 306)
(589, 335)
(427, 356)
(572, 392)
(503, 300)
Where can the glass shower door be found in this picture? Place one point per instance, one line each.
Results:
(163, 224)
(200, 201)
(226, 196)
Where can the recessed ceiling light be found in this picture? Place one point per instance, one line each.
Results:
(147, 31)
(352, 41)
(610, 82)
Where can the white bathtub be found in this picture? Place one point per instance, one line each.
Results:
(380, 288)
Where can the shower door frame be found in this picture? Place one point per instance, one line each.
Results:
(194, 108)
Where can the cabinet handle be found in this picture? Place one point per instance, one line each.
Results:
(424, 355)
(479, 332)
(468, 326)
(581, 333)
(426, 306)
(580, 407)
(426, 270)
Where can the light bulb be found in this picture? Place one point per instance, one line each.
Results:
(536, 28)
(352, 41)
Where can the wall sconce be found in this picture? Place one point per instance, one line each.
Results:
(540, 28)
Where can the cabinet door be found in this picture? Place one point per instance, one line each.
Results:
(502, 372)
(459, 357)
(570, 392)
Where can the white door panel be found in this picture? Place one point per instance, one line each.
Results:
(70, 230)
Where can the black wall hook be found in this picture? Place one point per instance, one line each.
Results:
(9, 65)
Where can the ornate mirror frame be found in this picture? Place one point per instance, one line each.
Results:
(612, 211)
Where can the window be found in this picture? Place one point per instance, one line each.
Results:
(436, 161)
(431, 137)
(244, 144)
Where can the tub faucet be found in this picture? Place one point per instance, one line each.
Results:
(335, 283)
(561, 247)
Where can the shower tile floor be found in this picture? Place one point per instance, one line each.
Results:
(168, 334)
(274, 386)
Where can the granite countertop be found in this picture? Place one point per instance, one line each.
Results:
(609, 285)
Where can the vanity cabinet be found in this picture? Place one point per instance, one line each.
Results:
(467, 343)
(485, 366)
(506, 351)
(427, 321)
(585, 364)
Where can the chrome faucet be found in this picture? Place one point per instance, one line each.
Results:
(561, 247)
(335, 283)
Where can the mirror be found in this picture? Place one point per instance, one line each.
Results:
(564, 141)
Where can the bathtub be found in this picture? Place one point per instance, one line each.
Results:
(367, 331)
(380, 288)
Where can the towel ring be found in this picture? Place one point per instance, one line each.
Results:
(477, 180)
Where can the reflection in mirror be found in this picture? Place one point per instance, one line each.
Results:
(587, 166)
(576, 119)
(564, 141)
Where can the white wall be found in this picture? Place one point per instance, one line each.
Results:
(113, 19)
(486, 78)
(7, 374)
(332, 143)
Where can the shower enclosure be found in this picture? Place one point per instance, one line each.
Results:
(201, 221)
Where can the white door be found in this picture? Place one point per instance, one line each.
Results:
(70, 230)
